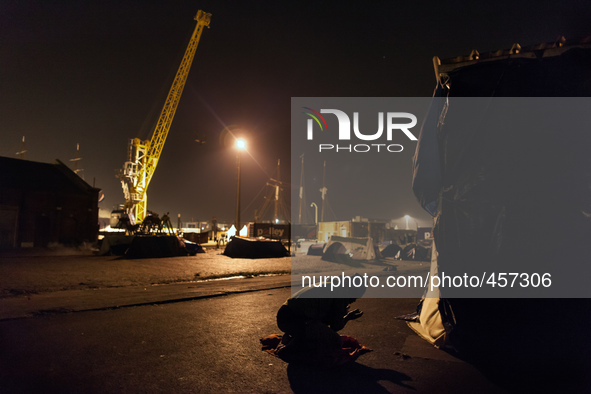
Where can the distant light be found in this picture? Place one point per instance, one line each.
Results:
(244, 231)
(276, 220)
(241, 144)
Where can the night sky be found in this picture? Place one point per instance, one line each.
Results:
(97, 72)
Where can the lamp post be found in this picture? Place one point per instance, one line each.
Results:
(407, 218)
(315, 212)
(240, 146)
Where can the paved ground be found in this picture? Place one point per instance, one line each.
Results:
(31, 273)
(211, 345)
(44, 299)
(72, 280)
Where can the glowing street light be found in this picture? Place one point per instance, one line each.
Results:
(240, 146)
(406, 217)
(315, 212)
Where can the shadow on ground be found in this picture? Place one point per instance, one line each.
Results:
(350, 378)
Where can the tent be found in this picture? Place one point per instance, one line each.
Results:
(416, 252)
(192, 247)
(341, 249)
(316, 249)
(155, 246)
(392, 250)
(255, 248)
(336, 252)
(115, 244)
(508, 185)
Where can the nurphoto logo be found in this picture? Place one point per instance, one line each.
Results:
(395, 122)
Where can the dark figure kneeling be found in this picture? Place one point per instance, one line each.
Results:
(311, 323)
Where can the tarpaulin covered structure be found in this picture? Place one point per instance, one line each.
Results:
(416, 252)
(509, 185)
(255, 248)
(392, 250)
(341, 249)
(115, 244)
(156, 246)
(316, 249)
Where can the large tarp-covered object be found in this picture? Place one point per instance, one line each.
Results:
(342, 249)
(520, 193)
(255, 248)
(416, 252)
(115, 244)
(392, 250)
(155, 246)
(316, 249)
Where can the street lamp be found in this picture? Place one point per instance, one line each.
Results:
(407, 218)
(240, 146)
(315, 212)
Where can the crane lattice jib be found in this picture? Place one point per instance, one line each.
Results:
(156, 143)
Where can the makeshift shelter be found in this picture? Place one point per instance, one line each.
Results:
(316, 249)
(392, 250)
(155, 246)
(192, 248)
(415, 252)
(508, 185)
(255, 248)
(115, 244)
(340, 249)
(336, 252)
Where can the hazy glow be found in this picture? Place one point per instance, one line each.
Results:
(244, 231)
(241, 144)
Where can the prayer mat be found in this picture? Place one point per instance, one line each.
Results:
(313, 353)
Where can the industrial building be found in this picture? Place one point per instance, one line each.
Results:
(43, 204)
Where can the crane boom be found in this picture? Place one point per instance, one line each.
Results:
(143, 156)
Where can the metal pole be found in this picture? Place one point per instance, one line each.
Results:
(238, 196)
(323, 190)
(301, 190)
(315, 212)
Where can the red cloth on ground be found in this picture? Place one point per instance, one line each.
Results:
(350, 350)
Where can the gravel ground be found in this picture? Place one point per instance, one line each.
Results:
(29, 273)
(23, 274)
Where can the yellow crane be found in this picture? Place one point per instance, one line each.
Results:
(143, 156)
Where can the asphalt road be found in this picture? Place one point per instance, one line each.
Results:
(211, 345)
